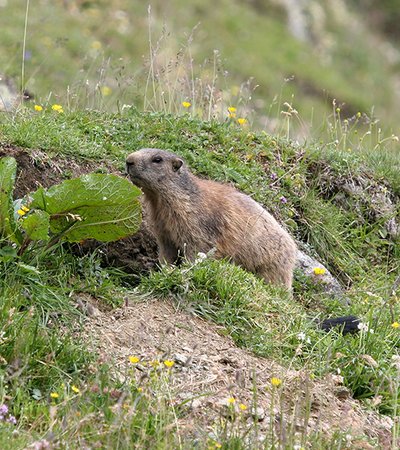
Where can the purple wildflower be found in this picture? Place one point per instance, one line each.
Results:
(273, 176)
(3, 410)
(12, 419)
(283, 199)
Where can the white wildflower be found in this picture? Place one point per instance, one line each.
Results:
(364, 327)
(302, 337)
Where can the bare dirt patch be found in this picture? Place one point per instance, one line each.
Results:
(36, 169)
(209, 369)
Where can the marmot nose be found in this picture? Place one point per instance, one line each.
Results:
(128, 165)
(130, 159)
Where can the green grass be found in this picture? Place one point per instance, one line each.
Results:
(273, 325)
(38, 312)
(71, 59)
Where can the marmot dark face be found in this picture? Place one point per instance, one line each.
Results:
(152, 169)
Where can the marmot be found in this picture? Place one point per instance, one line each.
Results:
(190, 215)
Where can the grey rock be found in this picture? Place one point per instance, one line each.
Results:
(8, 94)
(393, 228)
(328, 282)
(181, 359)
(258, 413)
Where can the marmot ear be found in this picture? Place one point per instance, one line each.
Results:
(176, 164)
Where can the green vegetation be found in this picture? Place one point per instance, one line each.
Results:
(94, 206)
(96, 54)
(338, 193)
(351, 241)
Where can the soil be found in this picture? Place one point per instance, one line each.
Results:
(205, 360)
(209, 369)
(36, 169)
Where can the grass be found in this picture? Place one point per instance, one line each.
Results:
(335, 196)
(272, 325)
(349, 240)
(103, 67)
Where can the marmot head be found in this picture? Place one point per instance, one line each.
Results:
(153, 169)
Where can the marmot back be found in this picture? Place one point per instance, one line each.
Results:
(190, 215)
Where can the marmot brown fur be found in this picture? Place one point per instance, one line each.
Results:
(190, 215)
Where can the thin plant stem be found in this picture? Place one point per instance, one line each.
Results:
(150, 76)
(210, 103)
(23, 50)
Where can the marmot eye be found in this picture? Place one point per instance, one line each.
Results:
(157, 159)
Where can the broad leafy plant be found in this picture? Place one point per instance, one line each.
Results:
(93, 206)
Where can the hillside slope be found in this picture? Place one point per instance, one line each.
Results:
(255, 55)
(62, 387)
(211, 369)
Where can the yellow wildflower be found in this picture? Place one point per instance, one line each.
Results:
(231, 400)
(105, 90)
(214, 445)
(75, 389)
(319, 271)
(168, 363)
(57, 108)
(38, 108)
(242, 121)
(232, 115)
(276, 381)
(54, 395)
(243, 407)
(395, 325)
(139, 389)
(232, 109)
(134, 359)
(21, 212)
(186, 104)
(47, 41)
(96, 45)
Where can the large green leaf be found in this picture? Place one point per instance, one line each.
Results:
(36, 225)
(8, 228)
(103, 207)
